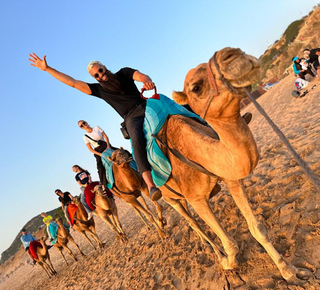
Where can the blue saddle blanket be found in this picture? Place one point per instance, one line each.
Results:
(108, 166)
(157, 111)
(53, 229)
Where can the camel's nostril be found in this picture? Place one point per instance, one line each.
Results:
(228, 56)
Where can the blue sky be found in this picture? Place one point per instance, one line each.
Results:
(164, 39)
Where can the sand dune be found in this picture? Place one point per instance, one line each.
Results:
(280, 194)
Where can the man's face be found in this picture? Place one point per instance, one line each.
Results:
(24, 233)
(306, 52)
(83, 124)
(99, 72)
(58, 192)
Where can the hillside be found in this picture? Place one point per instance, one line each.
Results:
(304, 33)
(32, 226)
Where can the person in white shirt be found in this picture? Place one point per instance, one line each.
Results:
(97, 142)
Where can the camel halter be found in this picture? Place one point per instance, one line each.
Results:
(307, 170)
(213, 84)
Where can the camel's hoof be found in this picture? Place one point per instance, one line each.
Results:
(229, 265)
(297, 276)
(163, 222)
(303, 274)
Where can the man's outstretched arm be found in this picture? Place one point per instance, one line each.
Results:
(66, 79)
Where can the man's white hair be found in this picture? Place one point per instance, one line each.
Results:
(92, 63)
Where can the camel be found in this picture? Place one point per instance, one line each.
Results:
(43, 255)
(107, 210)
(63, 237)
(83, 225)
(214, 91)
(129, 185)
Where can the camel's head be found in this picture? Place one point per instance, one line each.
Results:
(98, 189)
(59, 221)
(223, 77)
(76, 200)
(121, 157)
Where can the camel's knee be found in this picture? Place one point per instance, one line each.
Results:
(259, 232)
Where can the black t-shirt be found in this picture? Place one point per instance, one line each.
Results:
(66, 198)
(122, 103)
(83, 177)
(313, 57)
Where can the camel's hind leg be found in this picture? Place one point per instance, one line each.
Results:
(104, 216)
(87, 238)
(94, 235)
(140, 215)
(70, 238)
(60, 251)
(51, 266)
(70, 253)
(193, 224)
(42, 265)
(138, 207)
(258, 231)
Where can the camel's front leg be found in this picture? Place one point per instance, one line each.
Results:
(258, 231)
(181, 210)
(159, 207)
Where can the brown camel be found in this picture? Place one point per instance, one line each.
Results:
(106, 209)
(43, 259)
(129, 185)
(214, 91)
(83, 225)
(63, 237)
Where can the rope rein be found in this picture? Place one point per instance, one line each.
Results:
(307, 170)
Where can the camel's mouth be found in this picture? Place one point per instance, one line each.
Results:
(236, 67)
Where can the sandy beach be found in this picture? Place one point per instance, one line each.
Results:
(282, 198)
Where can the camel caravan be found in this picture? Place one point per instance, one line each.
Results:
(201, 151)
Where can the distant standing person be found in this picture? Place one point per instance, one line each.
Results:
(65, 198)
(314, 58)
(97, 142)
(27, 240)
(299, 70)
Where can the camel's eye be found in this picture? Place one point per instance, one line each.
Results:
(195, 89)
(196, 86)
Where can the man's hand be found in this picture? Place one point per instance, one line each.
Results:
(148, 86)
(37, 62)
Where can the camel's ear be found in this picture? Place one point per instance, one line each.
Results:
(180, 98)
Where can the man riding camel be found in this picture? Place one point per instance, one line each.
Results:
(120, 92)
(27, 241)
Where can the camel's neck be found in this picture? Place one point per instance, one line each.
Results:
(63, 231)
(126, 178)
(233, 156)
(44, 250)
(81, 212)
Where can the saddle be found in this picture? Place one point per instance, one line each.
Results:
(156, 114)
(89, 194)
(33, 248)
(72, 208)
